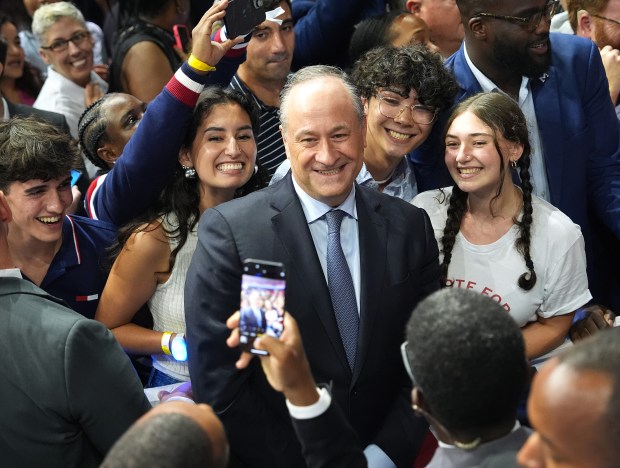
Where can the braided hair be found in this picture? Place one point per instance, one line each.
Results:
(503, 115)
(92, 128)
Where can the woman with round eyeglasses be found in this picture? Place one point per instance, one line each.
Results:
(497, 238)
(403, 90)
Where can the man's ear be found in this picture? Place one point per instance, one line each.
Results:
(285, 141)
(413, 6)
(479, 28)
(365, 129)
(584, 24)
(5, 211)
(417, 399)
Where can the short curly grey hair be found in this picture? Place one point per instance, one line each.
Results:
(47, 15)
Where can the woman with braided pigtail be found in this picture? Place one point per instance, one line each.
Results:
(496, 237)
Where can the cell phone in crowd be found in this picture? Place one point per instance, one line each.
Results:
(242, 16)
(263, 285)
(182, 37)
(75, 176)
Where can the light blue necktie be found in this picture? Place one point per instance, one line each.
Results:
(341, 287)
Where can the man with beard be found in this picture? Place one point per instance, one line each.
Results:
(560, 84)
(599, 20)
(262, 76)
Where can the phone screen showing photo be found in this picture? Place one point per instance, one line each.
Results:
(262, 304)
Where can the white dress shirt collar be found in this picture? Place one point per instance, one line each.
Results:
(315, 209)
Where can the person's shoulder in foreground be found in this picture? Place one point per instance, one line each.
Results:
(62, 374)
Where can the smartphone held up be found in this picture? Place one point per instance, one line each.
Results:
(263, 286)
(242, 16)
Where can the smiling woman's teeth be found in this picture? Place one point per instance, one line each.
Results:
(229, 167)
(471, 170)
(49, 219)
(79, 63)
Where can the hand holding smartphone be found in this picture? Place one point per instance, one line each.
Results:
(242, 16)
(263, 286)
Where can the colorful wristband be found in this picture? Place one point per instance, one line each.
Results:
(198, 64)
(165, 343)
(178, 347)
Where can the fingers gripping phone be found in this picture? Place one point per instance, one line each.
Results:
(263, 285)
(242, 16)
(182, 38)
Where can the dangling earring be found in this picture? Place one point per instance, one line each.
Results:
(190, 172)
(255, 168)
(513, 164)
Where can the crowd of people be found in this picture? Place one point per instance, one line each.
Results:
(437, 180)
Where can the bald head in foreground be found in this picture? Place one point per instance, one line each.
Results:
(174, 433)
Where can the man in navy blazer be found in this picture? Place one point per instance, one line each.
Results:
(508, 43)
(391, 254)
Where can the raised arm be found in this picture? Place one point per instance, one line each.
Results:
(150, 157)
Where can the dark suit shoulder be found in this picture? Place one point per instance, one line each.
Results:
(28, 300)
(392, 207)
(54, 118)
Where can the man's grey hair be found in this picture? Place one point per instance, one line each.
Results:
(47, 15)
(318, 72)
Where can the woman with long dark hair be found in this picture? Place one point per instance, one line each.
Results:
(216, 163)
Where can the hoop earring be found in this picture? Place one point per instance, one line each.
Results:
(190, 172)
(255, 169)
(513, 164)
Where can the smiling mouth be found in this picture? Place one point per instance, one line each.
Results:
(49, 219)
(229, 167)
(329, 172)
(539, 44)
(398, 135)
(79, 63)
(469, 170)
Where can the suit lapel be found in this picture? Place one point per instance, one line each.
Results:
(468, 83)
(291, 227)
(372, 228)
(546, 95)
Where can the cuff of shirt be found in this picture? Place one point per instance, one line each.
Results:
(377, 458)
(312, 411)
(180, 398)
